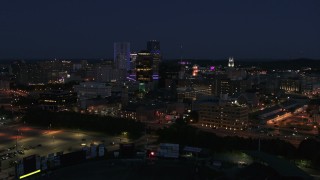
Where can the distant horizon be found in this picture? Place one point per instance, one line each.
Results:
(166, 59)
(207, 29)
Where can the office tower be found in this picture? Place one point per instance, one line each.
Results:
(104, 72)
(144, 65)
(153, 46)
(226, 86)
(124, 95)
(20, 71)
(122, 55)
(226, 116)
(133, 58)
(122, 58)
(231, 62)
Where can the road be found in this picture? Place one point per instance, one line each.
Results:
(294, 140)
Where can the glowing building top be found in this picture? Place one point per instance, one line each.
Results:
(231, 62)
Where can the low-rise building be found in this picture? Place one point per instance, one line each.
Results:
(91, 90)
(57, 100)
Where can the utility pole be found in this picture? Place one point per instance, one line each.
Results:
(17, 139)
(259, 143)
(146, 144)
(145, 133)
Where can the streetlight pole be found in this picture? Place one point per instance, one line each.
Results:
(146, 143)
(17, 139)
(11, 110)
(259, 143)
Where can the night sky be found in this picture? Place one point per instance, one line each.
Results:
(211, 29)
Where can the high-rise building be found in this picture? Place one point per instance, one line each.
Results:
(104, 72)
(20, 72)
(124, 95)
(122, 55)
(133, 58)
(144, 65)
(224, 85)
(153, 46)
(231, 62)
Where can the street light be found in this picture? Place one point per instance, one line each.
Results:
(50, 132)
(18, 130)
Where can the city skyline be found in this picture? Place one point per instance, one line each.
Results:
(206, 30)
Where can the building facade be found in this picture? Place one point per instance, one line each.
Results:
(57, 100)
(290, 85)
(144, 67)
(122, 55)
(228, 116)
(153, 46)
(106, 73)
(89, 90)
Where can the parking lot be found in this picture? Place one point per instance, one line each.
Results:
(17, 142)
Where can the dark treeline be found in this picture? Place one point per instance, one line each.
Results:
(6, 113)
(180, 133)
(184, 134)
(72, 120)
(310, 149)
(188, 135)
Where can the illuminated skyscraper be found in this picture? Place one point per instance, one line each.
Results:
(133, 58)
(144, 65)
(153, 46)
(231, 62)
(122, 55)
